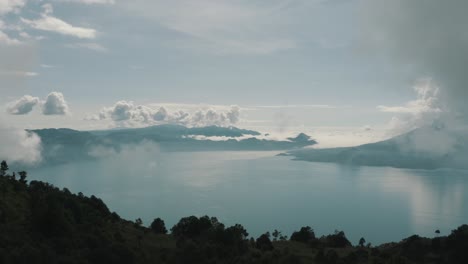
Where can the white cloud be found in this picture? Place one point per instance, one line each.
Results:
(424, 111)
(125, 113)
(48, 8)
(428, 100)
(7, 6)
(23, 106)
(19, 145)
(5, 39)
(49, 23)
(55, 104)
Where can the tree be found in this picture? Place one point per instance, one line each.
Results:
(305, 235)
(158, 226)
(23, 176)
(235, 234)
(193, 227)
(362, 241)
(276, 234)
(3, 168)
(263, 242)
(138, 222)
(337, 240)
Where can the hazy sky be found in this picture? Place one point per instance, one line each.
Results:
(277, 66)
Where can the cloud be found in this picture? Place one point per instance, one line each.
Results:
(223, 27)
(49, 23)
(143, 157)
(428, 100)
(5, 39)
(7, 6)
(55, 104)
(23, 106)
(429, 141)
(19, 146)
(424, 111)
(125, 113)
(428, 35)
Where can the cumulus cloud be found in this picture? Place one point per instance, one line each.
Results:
(19, 146)
(126, 113)
(428, 100)
(424, 111)
(47, 22)
(432, 124)
(428, 35)
(55, 104)
(23, 106)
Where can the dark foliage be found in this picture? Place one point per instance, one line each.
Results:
(208, 237)
(263, 242)
(158, 226)
(337, 240)
(305, 235)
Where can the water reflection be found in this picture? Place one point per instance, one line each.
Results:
(435, 198)
(264, 192)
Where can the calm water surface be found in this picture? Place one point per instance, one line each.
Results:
(264, 192)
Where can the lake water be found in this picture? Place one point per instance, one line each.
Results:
(264, 192)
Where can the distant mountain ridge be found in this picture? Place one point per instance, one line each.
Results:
(179, 130)
(63, 145)
(422, 148)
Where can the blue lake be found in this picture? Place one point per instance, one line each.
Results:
(264, 192)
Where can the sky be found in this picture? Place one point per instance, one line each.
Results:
(344, 71)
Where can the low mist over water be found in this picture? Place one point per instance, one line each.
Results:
(264, 192)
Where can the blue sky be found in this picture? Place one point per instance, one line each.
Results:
(289, 66)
